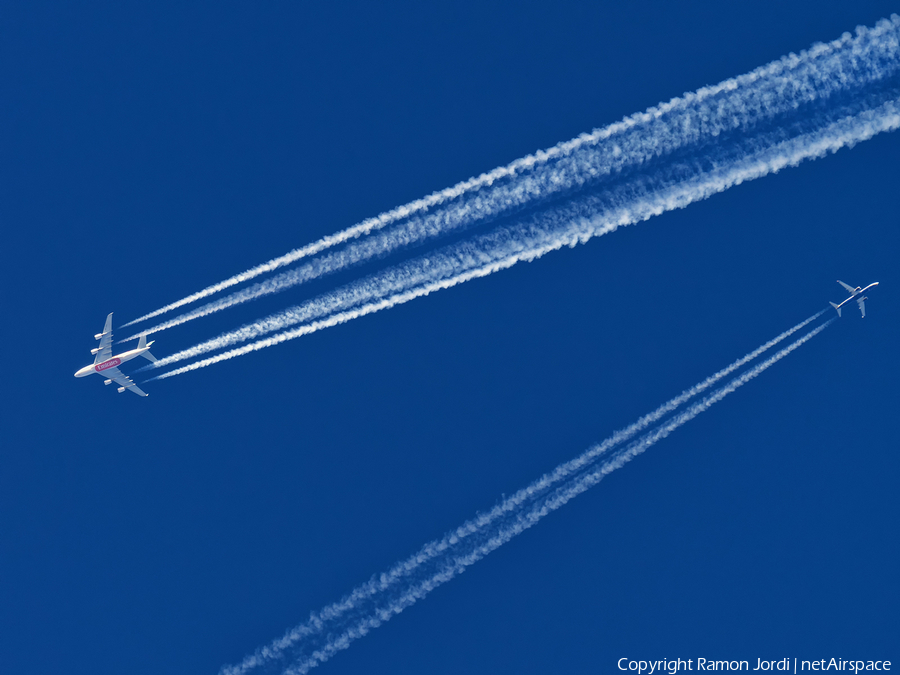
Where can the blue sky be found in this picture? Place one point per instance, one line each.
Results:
(151, 151)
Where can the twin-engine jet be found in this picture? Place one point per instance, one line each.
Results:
(107, 365)
(858, 294)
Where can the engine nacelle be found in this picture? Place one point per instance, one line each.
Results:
(98, 336)
(107, 381)
(121, 389)
(94, 351)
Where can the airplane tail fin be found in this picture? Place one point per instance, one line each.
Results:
(142, 343)
(837, 307)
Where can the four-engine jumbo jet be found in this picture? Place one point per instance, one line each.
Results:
(858, 294)
(106, 364)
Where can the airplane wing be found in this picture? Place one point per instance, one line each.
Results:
(122, 380)
(105, 342)
(862, 306)
(850, 289)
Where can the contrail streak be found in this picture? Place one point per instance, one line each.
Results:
(399, 572)
(565, 225)
(370, 605)
(702, 123)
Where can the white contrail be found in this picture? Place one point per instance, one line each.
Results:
(566, 225)
(370, 605)
(401, 571)
(782, 87)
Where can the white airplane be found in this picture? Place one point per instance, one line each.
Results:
(857, 294)
(106, 364)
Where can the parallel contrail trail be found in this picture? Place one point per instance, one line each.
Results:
(397, 573)
(698, 125)
(370, 605)
(565, 225)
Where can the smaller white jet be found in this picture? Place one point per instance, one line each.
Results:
(858, 294)
(107, 365)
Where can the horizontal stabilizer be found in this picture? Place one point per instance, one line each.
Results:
(837, 307)
(143, 344)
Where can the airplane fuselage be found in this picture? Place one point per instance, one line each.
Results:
(107, 364)
(110, 363)
(855, 293)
